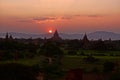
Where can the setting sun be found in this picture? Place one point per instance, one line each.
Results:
(50, 31)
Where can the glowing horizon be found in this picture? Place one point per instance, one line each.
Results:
(39, 16)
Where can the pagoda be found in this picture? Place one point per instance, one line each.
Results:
(56, 36)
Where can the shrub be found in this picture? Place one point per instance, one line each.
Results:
(95, 70)
(90, 59)
(115, 76)
(14, 71)
(108, 66)
(72, 52)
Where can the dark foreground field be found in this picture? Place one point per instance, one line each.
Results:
(25, 69)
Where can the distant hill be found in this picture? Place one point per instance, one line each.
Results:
(104, 35)
(25, 35)
(95, 35)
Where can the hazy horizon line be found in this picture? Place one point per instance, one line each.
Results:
(61, 32)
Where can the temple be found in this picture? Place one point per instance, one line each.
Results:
(56, 36)
(85, 39)
(8, 36)
(85, 42)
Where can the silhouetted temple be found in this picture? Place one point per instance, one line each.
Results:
(85, 39)
(85, 42)
(56, 36)
(8, 37)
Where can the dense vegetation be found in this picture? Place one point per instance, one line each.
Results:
(13, 71)
(56, 58)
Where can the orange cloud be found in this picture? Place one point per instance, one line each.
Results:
(50, 19)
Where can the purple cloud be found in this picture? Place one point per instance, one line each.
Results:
(92, 16)
(28, 21)
(44, 18)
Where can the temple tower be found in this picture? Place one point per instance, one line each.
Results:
(56, 36)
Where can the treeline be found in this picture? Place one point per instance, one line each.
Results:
(28, 48)
(10, 50)
(93, 45)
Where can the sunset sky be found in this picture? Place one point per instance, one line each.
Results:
(68, 16)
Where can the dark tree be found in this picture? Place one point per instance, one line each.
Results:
(52, 62)
(51, 51)
(108, 66)
(14, 71)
